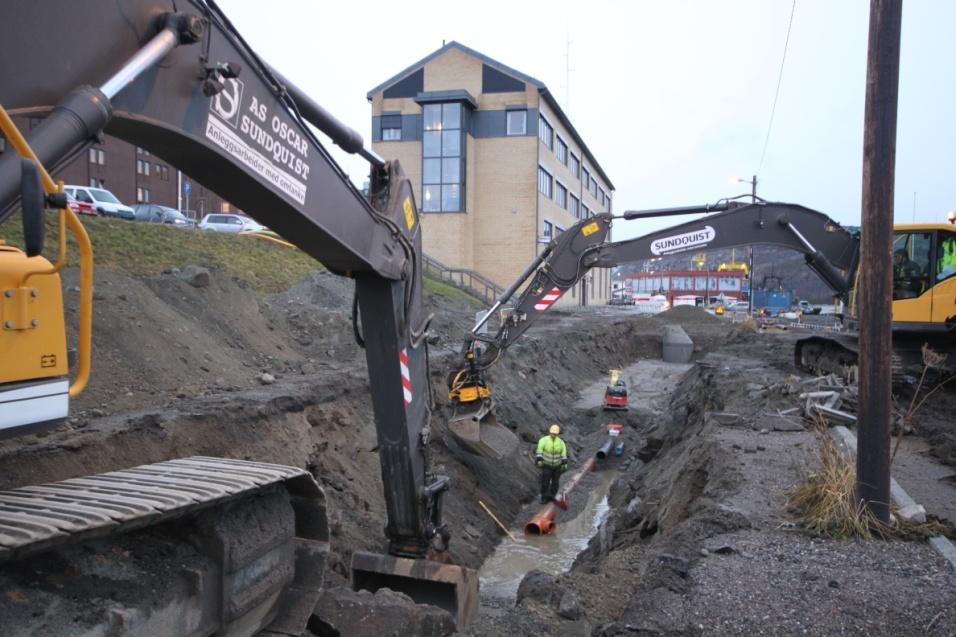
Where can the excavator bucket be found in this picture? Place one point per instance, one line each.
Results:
(448, 586)
(476, 430)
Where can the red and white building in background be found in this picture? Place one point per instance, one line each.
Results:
(728, 283)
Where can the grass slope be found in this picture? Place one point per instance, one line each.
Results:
(148, 249)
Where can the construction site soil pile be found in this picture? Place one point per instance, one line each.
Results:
(193, 362)
(699, 539)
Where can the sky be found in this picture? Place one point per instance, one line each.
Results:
(673, 97)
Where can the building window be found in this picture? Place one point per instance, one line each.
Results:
(142, 151)
(142, 167)
(585, 211)
(545, 182)
(545, 132)
(391, 134)
(602, 197)
(142, 195)
(562, 151)
(575, 208)
(560, 195)
(517, 122)
(608, 207)
(97, 156)
(558, 231)
(163, 172)
(548, 230)
(575, 166)
(594, 188)
(585, 177)
(443, 164)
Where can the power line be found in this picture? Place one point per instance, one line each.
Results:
(776, 94)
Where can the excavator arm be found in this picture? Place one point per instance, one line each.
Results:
(830, 250)
(194, 93)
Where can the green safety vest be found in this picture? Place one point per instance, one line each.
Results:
(947, 256)
(552, 451)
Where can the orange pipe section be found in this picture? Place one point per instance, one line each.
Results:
(543, 522)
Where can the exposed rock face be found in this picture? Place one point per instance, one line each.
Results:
(342, 611)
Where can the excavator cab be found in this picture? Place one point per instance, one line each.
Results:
(473, 424)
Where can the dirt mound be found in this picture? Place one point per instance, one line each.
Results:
(687, 314)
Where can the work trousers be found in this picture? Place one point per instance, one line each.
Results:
(550, 476)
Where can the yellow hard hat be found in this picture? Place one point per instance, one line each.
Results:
(554, 429)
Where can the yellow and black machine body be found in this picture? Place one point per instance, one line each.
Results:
(178, 80)
(924, 303)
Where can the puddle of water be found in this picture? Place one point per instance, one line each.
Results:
(503, 570)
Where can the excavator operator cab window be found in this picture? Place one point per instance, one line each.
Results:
(946, 256)
(911, 265)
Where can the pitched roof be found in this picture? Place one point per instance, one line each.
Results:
(495, 64)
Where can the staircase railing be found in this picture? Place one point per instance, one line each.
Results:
(469, 281)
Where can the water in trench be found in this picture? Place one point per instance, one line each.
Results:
(503, 570)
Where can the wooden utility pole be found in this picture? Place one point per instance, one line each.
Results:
(875, 295)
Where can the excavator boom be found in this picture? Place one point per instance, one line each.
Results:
(177, 79)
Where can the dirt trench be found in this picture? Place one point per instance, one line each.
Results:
(179, 370)
(699, 540)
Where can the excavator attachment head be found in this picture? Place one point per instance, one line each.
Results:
(476, 430)
(448, 586)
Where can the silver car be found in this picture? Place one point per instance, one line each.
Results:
(223, 222)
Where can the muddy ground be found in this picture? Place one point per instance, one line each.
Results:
(699, 540)
(215, 370)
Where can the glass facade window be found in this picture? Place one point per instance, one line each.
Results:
(545, 132)
(545, 182)
(562, 151)
(443, 170)
(517, 122)
(575, 207)
(560, 195)
(575, 166)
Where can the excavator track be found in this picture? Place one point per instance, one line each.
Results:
(836, 355)
(222, 547)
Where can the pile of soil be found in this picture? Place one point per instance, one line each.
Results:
(699, 539)
(687, 314)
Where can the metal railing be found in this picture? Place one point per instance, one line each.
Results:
(468, 281)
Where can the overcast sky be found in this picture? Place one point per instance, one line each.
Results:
(673, 97)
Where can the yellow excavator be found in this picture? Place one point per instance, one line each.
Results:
(924, 292)
(238, 546)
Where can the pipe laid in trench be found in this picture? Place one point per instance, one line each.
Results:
(543, 522)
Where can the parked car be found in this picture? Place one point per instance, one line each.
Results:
(154, 213)
(737, 306)
(105, 202)
(807, 308)
(225, 222)
(81, 207)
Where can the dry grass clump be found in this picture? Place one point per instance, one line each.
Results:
(827, 502)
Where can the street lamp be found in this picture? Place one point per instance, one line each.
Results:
(753, 186)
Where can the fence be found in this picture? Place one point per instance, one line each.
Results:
(467, 280)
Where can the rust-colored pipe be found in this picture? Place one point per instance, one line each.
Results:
(543, 522)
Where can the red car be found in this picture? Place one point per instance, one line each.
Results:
(81, 207)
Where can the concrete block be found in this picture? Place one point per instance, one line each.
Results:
(678, 348)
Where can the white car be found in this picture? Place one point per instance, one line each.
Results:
(224, 222)
(737, 306)
(103, 200)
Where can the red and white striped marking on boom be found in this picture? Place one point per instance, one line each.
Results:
(548, 299)
(406, 376)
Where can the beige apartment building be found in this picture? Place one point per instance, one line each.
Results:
(498, 169)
